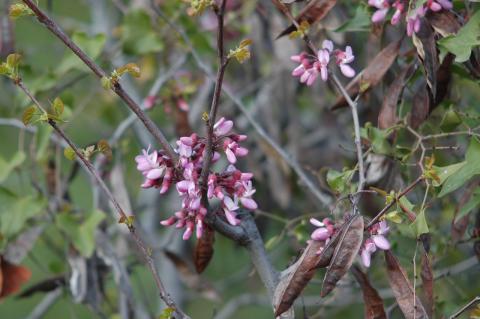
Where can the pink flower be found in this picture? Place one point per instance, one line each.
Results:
(368, 249)
(232, 150)
(433, 5)
(382, 9)
(222, 127)
(377, 240)
(245, 193)
(414, 22)
(343, 58)
(399, 9)
(229, 207)
(323, 60)
(446, 4)
(324, 231)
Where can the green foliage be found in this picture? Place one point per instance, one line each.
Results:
(469, 206)
(419, 225)
(81, 232)
(340, 182)
(467, 38)
(6, 167)
(9, 68)
(466, 171)
(241, 53)
(359, 23)
(138, 36)
(91, 45)
(377, 138)
(15, 212)
(19, 10)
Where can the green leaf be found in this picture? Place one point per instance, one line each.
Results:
(469, 206)
(42, 138)
(130, 68)
(360, 21)
(340, 182)
(394, 216)
(15, 212)
(58, 107)
(6, 167)
(464, 41)
(28, 114)
(91, 45)
(419, 225)
(138, 36)
(13, 60)
(378, 139)
(444, 172)
(451, 119)
(167, 313)
(69, 153)
(82, 234)
(466, 172)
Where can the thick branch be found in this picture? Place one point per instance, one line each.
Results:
(59, 33)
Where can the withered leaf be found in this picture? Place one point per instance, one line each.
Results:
(313, 12)
(349, 243)
(204, 250)
(12, 277)
(387, 116)
(302, 271)
(427, 284)
(372, 74)
(191, 279)
(373, 302)
(444, 22)
(403, 289)
(424, 41)
(420, 106)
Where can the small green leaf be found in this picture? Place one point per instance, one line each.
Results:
(130, 68)
(127, 220)
(360, 21)
(28, 115)
(444, 172)
(6, 167)
(82, 234)
(469, 206)
(419, 225)
(104, 148)
(464, 41)
(69, 153)
(470, 169)
(19, 10)
(13, 60)
(451, 119)
(167, 313)
(394, 216)
(58, 107)
(340, 182)
(106, 83)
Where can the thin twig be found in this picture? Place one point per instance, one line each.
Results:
(222, 65)
(464, 308)
(89, 167)
(397, 198)
(99, 72)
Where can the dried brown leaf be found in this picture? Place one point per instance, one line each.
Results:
(302, 271)
(402, 289)
(387, 116)
(204, 250)
(427, 284)
(349, 243)
(424, 41)
(313, 12)
(12, 277)
(444, 22)
(372, 74)
(373, 302)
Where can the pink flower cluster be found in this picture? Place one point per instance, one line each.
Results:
(414, 19)
(325, 230)
(312, 66)
(231, 186)
(377, 240)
